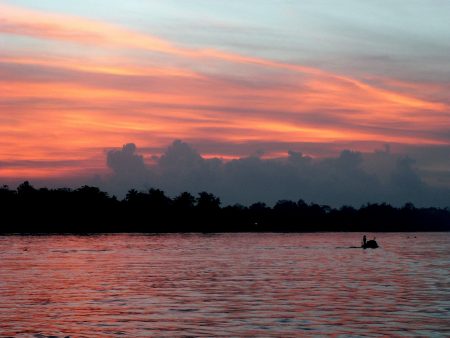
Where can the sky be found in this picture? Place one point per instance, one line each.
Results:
(335, 102)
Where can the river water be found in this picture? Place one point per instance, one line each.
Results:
(229, 285)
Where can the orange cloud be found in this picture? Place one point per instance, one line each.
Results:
(84, 103)
(21, 21)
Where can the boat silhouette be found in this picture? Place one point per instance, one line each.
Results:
(370, 244)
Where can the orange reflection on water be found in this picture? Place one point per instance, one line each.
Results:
(230, 284)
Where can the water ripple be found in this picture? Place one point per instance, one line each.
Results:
(224, 285)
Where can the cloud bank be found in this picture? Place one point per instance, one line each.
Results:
(352, 178)
(91, 81)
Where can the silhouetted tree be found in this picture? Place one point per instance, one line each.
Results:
(132, 196)
(25, 189)
(88, 209)
(158, 200)
(208, 209)
(207, 201)
(185, 201)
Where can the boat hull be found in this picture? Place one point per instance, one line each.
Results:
(372, 244)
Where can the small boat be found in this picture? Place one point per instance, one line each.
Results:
(370, 244)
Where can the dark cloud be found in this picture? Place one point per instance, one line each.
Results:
(352, 178)
(129, 169)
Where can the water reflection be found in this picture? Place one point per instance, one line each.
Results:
(230, 285)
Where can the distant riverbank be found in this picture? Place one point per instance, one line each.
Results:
(90, 210)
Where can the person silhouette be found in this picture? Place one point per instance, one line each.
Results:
(364, 240)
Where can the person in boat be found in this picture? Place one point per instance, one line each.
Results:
(369, 244)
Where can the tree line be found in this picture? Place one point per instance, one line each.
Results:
(90, 210)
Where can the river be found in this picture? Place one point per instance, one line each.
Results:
(134, 285)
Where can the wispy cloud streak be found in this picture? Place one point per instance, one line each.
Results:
(129, 85)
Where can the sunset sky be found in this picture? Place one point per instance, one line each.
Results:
(231, 78)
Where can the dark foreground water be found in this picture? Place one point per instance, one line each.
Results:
(224, 285)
